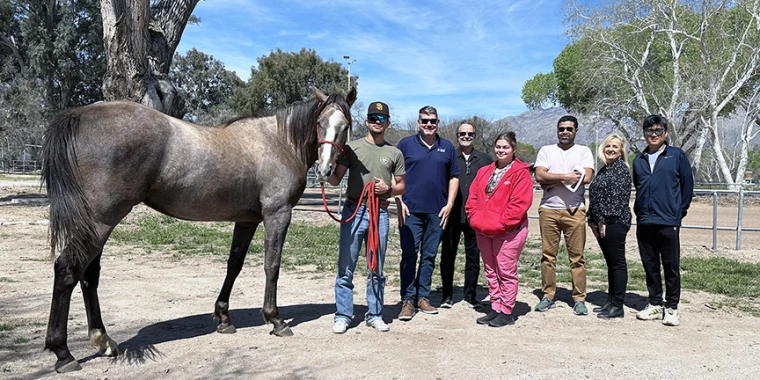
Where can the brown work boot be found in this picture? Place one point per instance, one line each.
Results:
(407, 311)
(426, 307)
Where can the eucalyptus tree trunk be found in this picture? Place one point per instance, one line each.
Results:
(140, 41)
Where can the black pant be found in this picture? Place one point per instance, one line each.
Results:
(449, 244)
(613, 248)
(658, 243)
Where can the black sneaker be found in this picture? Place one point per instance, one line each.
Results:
(502, 320)
(447, 302)
(604, 308)
(484, 320)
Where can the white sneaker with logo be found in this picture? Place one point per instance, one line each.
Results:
(340, 327)
(650, 313)
(379, 325)
(671, 317)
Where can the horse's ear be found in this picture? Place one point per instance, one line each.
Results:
(351, 96)
(319, 94)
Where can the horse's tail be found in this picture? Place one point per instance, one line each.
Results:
(72, 224)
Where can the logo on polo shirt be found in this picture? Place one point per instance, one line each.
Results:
(385, 161)
(442, 150)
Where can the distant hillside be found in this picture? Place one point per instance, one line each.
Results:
(539, 128)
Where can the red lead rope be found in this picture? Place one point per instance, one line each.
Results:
(373, 233)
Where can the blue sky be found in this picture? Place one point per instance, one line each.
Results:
(464, 58)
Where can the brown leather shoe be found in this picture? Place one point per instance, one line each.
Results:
(407, 311)
(426, 307)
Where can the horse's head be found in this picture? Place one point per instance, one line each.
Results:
(333, 124)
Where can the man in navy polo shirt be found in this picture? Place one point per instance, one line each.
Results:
(431, 187)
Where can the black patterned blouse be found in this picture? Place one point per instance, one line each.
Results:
(610, 194)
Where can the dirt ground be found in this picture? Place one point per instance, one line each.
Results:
(159, 310)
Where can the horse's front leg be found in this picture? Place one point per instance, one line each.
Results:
(241, 241)
(276, 227)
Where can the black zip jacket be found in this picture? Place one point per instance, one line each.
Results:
(662, 196)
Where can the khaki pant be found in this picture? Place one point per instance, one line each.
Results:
(571, 223)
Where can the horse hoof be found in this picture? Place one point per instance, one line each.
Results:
(284, 330)
(68, 367)
(226, 329)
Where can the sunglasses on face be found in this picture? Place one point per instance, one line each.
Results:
(377, 118)
(565, 129)
(468, 134)
(654, 132)
(428, 121)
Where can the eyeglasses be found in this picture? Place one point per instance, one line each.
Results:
(377, 118)
(654, 132)
(468, 134)
(428, 121)
(565, 129)
(467, 165)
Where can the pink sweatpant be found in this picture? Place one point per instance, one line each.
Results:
(500, 256)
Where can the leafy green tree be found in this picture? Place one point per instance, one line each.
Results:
(203, 82)
(540, 92)
(282, 78)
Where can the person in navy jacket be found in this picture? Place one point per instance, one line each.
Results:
(664, 185)
(500, 196)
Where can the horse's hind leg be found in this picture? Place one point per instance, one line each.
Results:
(97, 330)
(67, 273)
(241, 240)
(276, 227)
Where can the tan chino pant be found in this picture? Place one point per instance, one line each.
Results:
(571, 223)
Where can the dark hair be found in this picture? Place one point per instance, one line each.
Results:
(568, 118)
(652, 120)
(510, 137)
(429, 110)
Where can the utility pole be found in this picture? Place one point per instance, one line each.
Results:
(349, 61)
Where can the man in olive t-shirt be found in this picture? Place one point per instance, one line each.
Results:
(370, 159)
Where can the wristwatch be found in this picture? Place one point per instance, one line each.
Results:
(390, 190)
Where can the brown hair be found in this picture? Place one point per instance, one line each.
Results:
(509, 137)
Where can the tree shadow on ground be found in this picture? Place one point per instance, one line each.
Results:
(141, 347)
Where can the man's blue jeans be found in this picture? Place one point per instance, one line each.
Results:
(353, 236)
(420, 232)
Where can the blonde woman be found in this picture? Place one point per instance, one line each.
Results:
(609, 216)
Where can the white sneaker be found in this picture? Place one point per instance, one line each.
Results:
(379, 325)
(671, 317)
(467, 303)
(340, 326)
(650, 313)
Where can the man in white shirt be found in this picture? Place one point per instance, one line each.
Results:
(563, 169)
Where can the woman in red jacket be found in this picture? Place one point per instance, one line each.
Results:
(497, 207)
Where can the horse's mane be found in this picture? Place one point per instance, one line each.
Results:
(299, 122)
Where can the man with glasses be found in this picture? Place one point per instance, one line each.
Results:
(423, 212)
(563, 169)
(370, 159)
(664, 186)
(470, 160)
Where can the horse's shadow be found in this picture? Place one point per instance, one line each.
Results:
(142, 346)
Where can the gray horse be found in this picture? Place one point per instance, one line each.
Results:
(101, 160)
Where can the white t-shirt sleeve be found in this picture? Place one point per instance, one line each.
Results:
(587, 159)
(543, 157)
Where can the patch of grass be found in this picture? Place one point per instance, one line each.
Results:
(741, 305)
(7, 279)
(6, 327)
(721, 276)
(183, 237)
(20, 340)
